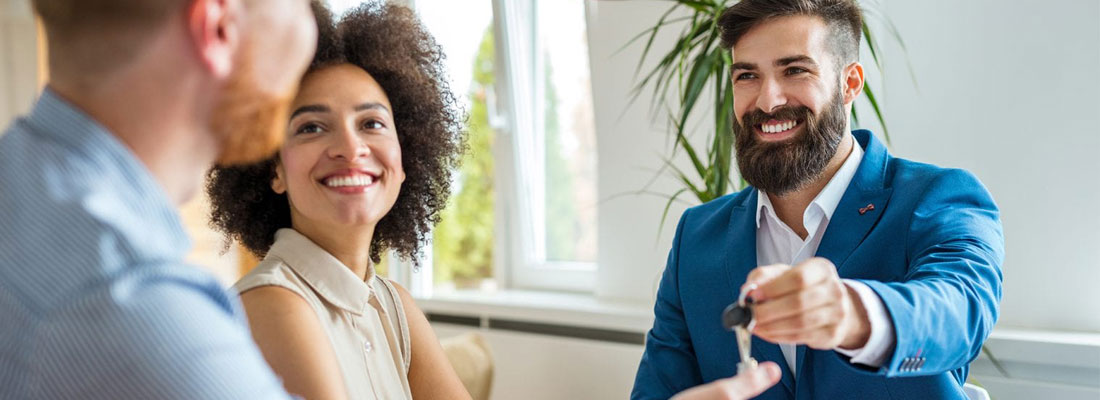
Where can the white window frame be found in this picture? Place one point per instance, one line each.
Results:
(519, 244)
(520, 202)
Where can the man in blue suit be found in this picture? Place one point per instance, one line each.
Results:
(873, 277)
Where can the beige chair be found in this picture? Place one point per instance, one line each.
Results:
(975, 392)
(471, 359)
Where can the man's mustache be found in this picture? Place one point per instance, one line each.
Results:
(758, 116)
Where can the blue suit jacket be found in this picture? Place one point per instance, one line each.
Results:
(931, 248)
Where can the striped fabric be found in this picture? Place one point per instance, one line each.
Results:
(95, 301)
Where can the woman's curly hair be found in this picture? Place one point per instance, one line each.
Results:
(389, 43)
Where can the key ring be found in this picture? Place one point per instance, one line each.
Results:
(738, 317)
(740, 313)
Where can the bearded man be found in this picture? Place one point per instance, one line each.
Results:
(143, 97)
(872, 277)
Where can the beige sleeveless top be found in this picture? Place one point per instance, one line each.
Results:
(365, 321)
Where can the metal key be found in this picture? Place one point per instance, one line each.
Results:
(738, 318)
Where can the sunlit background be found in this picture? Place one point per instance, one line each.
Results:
(563, 220)
(548, 251)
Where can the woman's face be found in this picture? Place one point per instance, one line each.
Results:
(341, 162)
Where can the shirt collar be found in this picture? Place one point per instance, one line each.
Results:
(119, 189)
(324, 273)
(827, 200)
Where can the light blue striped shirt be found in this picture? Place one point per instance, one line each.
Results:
(95, 299)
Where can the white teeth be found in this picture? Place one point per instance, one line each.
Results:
(776, 128)
(357, 180)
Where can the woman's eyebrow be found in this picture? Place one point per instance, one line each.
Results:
(372, 106)
(317, 108)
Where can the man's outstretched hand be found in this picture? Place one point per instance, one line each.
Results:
(807, 304)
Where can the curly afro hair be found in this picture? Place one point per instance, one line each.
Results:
(389, 43)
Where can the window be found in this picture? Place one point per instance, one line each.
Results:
(462, 253)
(522, 213)
(553, 149)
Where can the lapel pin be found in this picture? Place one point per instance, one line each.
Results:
(864, 210)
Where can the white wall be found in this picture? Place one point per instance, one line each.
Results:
(1007, 90)
(630, 145)
(571, 369)
(18, 59)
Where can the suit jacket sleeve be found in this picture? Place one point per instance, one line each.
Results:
(668, 365)
(948, 302)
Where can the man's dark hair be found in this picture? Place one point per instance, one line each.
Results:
(388, 42)
(843, 18)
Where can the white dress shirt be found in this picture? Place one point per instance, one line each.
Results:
(776, 243)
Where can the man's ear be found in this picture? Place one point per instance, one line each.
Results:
(214, 27)
(852, 81)
(278, 183)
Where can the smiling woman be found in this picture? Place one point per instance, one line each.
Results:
(427, 124)
(341, 164)
(371, 141)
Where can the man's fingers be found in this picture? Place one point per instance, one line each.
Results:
(761, 275)
(751, 382)
(796, 303)
(801, 328)
(805, 274)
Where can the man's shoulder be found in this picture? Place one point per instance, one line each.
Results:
(67, 220)
(40, 173)
(20, 145)
(715, 215)
(918, 178)
(724, 204)
(151, 329)
(153, 282)
(50, 246)
(102, 288)
(63, 319)
(156, 300)
(50, 234)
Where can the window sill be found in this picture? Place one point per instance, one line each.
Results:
(571, 309)
(1045, 347)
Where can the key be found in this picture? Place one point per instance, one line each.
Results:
(738, 318)
(736, 315)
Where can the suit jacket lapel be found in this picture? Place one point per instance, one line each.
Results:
(859, 210)
(862, 205)
(740, 259)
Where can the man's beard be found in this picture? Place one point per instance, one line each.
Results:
(249, 123)
(782, 167)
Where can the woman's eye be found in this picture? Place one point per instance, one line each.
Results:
(373, 124)
(308, 128)
(744, 76)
